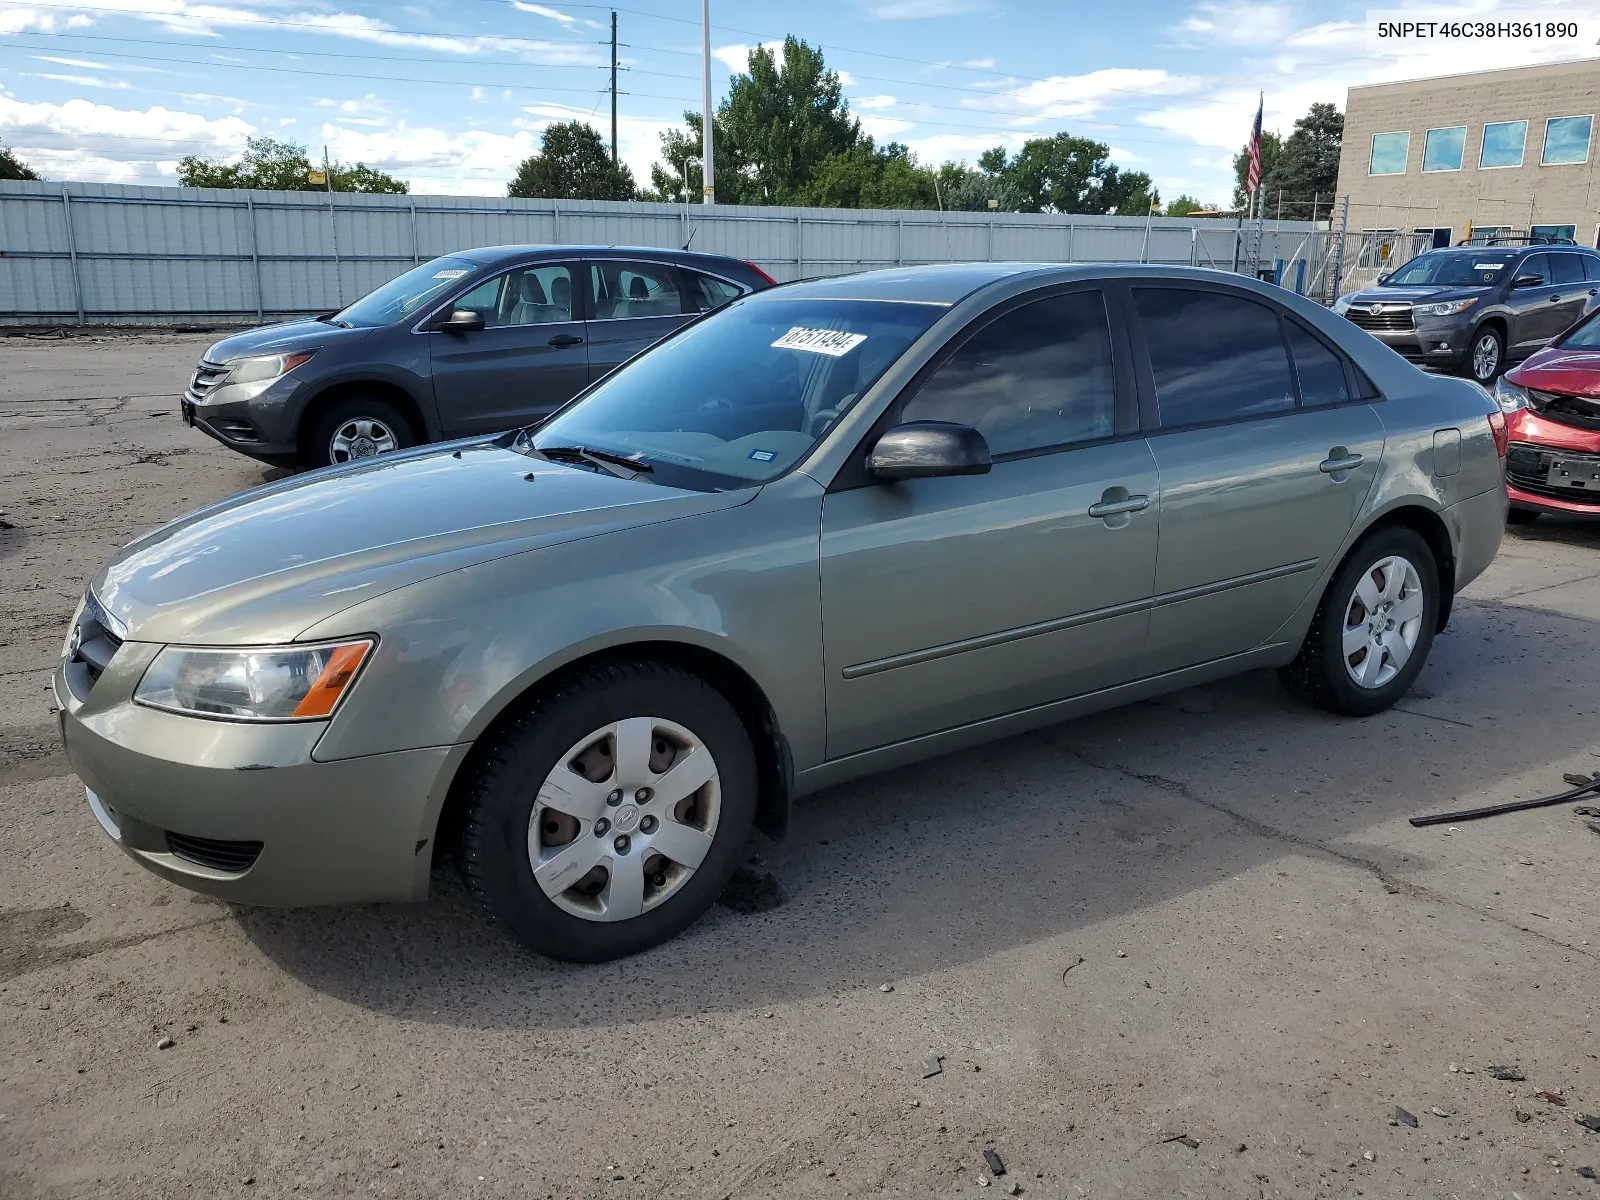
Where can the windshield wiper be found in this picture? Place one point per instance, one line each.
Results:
(608, 461)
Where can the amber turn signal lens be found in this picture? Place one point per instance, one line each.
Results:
(330, 685)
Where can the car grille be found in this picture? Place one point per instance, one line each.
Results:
(206, 376)
(96, 644)
(213, 853)
(1581, 412)
(1528, 466)
(1393, 319)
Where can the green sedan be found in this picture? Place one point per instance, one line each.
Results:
(826, 530)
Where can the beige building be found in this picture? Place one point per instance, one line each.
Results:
(1509, 152)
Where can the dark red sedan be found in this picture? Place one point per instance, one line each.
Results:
(1552, 405)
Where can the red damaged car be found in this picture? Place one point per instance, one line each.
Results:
(1552, 405)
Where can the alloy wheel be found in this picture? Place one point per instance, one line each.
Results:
(361, 437)
(1382, 621)
(1485, 357)
(625, 819)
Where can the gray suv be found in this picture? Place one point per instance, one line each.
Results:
(475, 342)
(1477, 309)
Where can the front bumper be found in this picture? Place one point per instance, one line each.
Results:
(1535, 441)
(1435, 342)
(183, 794)
(258, 419)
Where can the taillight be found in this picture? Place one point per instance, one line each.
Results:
(1502, 435)
(773, 282)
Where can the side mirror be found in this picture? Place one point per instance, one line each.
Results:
(463, 320)
(1383, 279)
(1522, 281)
(927, 450)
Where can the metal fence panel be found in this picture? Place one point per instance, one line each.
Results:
(120, 253)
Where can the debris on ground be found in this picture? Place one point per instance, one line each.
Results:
(886, 987)
(1184, 1138)
(1438, 1112)
(1586, 810)
(1077, 961)
(751, 892)
(1587, 1173)
(1371, 1156)
(1589, 1122)
(1554, 1098)
(1580, 780)
(983, 1181)
(165, 1043)
(996, 1166)
(1240, 1148)
(1404, 1117)
(1508, 1074)
(1580, 785)
(1014, 1189)
(932, 1065)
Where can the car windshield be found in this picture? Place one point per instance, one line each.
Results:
(405, 294)
(1453, 270)
(1586, 336)
(738, 397)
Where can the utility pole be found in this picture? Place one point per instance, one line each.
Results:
(708, 176)
(613, 87)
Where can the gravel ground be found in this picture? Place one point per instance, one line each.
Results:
(1187, 948)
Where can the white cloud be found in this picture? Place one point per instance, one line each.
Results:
(845, 78)
(567, 20)
(737, 57)
(885, 128)
(980, 64)
(81, 139)
(874, 102)
(1066, 97)
(81, 80)
(33, 20)
(476, 94)
(1122, 157)
(916, 10)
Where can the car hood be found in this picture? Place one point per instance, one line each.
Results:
(267, 564)
(1411, 295)
(1553, 369)
(286, 337)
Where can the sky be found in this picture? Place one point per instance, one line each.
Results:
(452, 94)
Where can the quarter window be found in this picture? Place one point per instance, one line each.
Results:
(1566, 140)
(1216, 357)
(713, 293)
(1389, 151)
(1039, 376)
(1591, 267)
(1443, 149)
(628, 289)
(1319, 370)
(1502, 144)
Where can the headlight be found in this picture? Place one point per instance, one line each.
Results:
(263, 367)
(279, 683)
(1342, 305)
(1509, 396)
(1446, 308)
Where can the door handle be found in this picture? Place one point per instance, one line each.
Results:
(1340, 459)
(563, 340)
(1115, 508)
(1553, 299)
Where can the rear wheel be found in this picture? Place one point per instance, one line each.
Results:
(354, 428)
(609, 817)
(1372, 632)
(1486, 355)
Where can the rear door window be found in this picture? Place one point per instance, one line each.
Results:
(1566, 268)
(1038, 376)
(1215, 356)
(632, 289)
(1591, 267)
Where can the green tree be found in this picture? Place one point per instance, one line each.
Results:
(678, 178)
(572, 164)
(1271, 151)
(270, 165)
(1186, 204)
(1304, 167)
(961, 189)
(12, 167)
(866, 176)
(1066, 174)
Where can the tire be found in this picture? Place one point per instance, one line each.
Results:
(1521, 516)
(365, 424)
(587, 867)
(1486, 355)
(1322, 674)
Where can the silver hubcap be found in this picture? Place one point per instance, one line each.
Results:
(1485, 356)
(361, 438)
(1382, 622)
(624, 820)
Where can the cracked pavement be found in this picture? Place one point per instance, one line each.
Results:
(1273, 959)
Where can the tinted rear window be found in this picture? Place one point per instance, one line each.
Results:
(1215, 356)
(1567, 268)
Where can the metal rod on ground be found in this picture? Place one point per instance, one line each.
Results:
(1494, 810)
(707, 120)
(613, 87)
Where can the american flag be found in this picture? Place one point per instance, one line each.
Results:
(1252, 179)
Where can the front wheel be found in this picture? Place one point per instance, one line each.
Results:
(1486, 355)
(354, 428)
(1372, 632)
(609, 816)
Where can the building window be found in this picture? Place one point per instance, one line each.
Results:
(1389, 152)
(1502, 144)
(1485, 235)
(1566, 140)
(1443, 149)
(1555, 232)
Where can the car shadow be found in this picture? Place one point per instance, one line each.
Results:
(965, 856)
(1569, 531)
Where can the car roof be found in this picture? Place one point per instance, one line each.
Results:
(495, 255)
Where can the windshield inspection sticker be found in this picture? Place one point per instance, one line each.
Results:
(763, 455)
(453, 274)
(835, 343)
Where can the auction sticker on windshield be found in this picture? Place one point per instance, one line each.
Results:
(451, 274)
(835, 343)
